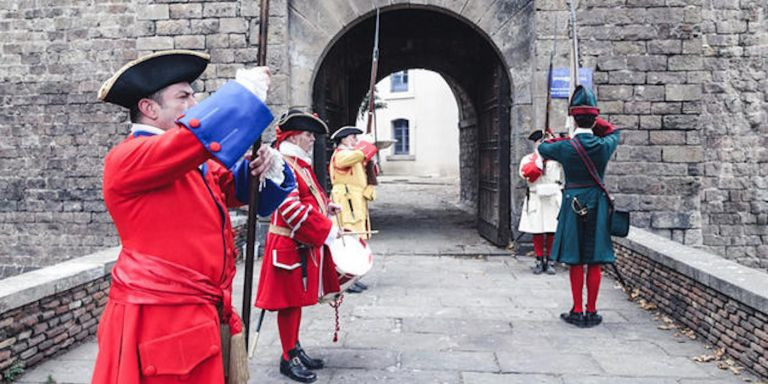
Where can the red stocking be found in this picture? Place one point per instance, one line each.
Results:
(593, 286)
(538, 244)
(577, 286)
(288, 321)
(550, 239)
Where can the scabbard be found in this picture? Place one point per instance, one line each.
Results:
(303, 254)
(349, 201)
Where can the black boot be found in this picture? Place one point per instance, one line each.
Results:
(309, 362)
(539, 267)
(551, 268)
(354, 289)
(592, 319)
(295, 370)
(360, 285)
(574, 318)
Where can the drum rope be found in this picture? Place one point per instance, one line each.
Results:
(335, 305)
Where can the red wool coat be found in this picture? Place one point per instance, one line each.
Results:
(303, 215)
(169, 212)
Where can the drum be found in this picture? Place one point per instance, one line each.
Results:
(353, 259)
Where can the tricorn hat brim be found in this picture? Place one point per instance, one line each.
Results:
(536, 136)
(296, 120)
(344, 132)
(146, 75)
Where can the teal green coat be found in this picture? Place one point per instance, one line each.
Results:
(579, 241)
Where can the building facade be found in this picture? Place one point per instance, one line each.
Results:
(422, 118)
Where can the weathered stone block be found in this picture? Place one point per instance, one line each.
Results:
(188, 11)
(220, 9)
(668, 138)
(648, 93)
(154, 43)
(626, 77)
(189, 42)
(614, 92)
(232, 25)
(152, 12)
(665, 46)
(683, 92)
(682, 154)
(647, 63)
(685, 63)
(666, 108)
(685, 122)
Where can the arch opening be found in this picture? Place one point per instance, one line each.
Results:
(420, 38)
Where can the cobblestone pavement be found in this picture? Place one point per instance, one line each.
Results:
(446, 307)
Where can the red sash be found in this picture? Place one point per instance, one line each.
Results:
(148, 280)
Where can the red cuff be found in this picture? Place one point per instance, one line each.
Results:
(369, 150)
(602, 128)
(531, 172)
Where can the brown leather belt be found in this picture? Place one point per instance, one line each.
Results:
(282, 231)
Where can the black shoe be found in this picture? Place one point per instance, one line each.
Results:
(354, 289)
(295, 370)
(360, 285)
(308, 362)
(539, 267)
(592, 319)
(574, 318)
(551, 268)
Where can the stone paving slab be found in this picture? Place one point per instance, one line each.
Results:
(460, 320)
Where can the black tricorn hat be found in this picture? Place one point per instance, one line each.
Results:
(344, 132)
(298, 120)
(149, 74)
(536, 136)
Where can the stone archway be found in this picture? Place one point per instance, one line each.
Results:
(480, 54)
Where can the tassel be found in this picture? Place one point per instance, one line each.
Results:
(238, 360)
(335, 305)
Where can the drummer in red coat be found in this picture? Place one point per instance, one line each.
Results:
(297, 267)
(167, 187)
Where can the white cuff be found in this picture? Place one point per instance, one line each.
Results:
(331, 236)
(275, 173)
(539, 161)
(255, 80)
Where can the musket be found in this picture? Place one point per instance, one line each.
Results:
(546, 128)
(253, 198)
(369, 168)
(575, 62)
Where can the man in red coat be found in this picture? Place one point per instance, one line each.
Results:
(167, 187)
(297, 267)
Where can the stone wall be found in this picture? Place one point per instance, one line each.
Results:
(686, 82)
(54, 56)
(734, 124)
(723, 302)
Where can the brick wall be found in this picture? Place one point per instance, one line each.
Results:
(698, 291)
(49, 326)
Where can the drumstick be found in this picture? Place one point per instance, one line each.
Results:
(341, 229)
(360, 233)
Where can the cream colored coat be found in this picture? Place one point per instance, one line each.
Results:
(545, 195)
(351, 189)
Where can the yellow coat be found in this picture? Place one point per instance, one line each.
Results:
(351, 189)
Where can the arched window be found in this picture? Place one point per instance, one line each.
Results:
(399, 81)
(402, 135)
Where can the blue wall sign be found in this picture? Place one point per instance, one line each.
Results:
(561, 78)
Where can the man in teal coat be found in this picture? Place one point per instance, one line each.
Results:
(583, 229)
